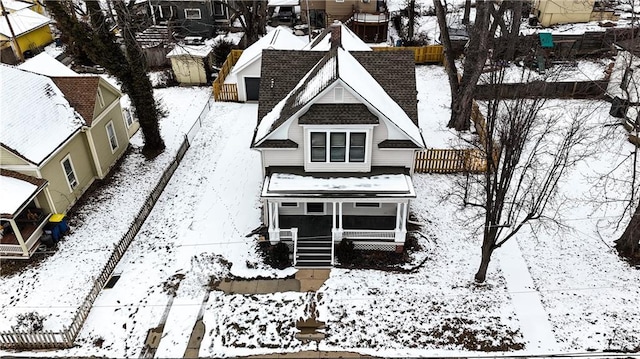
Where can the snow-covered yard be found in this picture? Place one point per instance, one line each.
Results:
(197, 233)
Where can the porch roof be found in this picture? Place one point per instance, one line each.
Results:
(392, 185)
(16, 190)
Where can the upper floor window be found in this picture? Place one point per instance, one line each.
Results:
(128, 117)
(100, 97)
(218, 8)
(192, 14)
(342, 146)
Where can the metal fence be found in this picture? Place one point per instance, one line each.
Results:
(17, 339)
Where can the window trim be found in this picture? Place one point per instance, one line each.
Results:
(290, 204)
(128, 117)
(191, 17)
(73, 171)
(306, 208)
(328, 147)
(109, 138)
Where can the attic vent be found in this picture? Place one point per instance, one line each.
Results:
(338, 94)
(272, 83)
(48, 90)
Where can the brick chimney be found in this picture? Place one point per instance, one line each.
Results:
(336, 34)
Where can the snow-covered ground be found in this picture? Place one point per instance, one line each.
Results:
(197, 231)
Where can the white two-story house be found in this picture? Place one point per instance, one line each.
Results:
(337, 132)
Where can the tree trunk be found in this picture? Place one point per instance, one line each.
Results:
(412, 19)
(487, 250)
(628, 245)
(475, 57)
(142, 91)
(467, 12)
(445, 39)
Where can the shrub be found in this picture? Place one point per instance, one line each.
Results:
(30, 322)
(221, 50)
(280, 255)
(346, 252)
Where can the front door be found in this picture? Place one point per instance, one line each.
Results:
(252, 87)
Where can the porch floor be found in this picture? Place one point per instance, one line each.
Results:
(26, 231)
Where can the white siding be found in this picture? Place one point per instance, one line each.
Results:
(389, 157)
(347, 97)
(252, 70)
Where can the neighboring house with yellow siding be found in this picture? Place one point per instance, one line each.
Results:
(553, 12)
(21, 31)
(67, 130)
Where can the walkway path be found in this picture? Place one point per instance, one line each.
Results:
(534, 321)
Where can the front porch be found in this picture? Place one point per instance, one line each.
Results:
(21, 235)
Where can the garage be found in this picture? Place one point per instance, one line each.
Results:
(252, 86)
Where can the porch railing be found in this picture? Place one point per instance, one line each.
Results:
(16, 251)
(359, 234)
(294, 235)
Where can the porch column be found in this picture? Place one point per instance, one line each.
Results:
(398, 211)
(336, 232)
(274, 231)
(401, 219)
(18, 234)
(340, 214)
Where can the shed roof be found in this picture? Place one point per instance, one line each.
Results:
(199, 51)
(45, 64)
(22, 22)
(34, 132)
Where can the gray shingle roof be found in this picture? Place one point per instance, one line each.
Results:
(344, 113)
(282, 70)
(278, 144)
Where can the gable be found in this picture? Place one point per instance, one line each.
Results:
(81, 92)
(10, 157)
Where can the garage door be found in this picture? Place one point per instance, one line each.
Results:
(252, 86)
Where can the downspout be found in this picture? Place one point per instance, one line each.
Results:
(94, 153)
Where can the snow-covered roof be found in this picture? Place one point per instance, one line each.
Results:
(286, 183)
(339, 65)
(349, 40)
(279, 38)
(15, 5)
(45, 64)
(14, 193)
(22, 21)
(36, 117)
(200, 51)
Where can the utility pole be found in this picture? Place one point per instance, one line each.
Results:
(14, 40)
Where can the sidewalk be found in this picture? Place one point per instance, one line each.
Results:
(534, 320)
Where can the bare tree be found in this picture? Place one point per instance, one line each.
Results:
(90, 28)
(252, 15)
(527, 152)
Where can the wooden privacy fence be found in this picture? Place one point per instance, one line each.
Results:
(222, 91)
(449, 161)
(576, 89)
(17, 339)
(422, 54)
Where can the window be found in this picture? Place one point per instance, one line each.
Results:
(70, 174)
(218, 8)
(111, 134)
(315, 207)
(338, 94)
(342, 146)
(356, 147)
(192, 14)
(128, 117)
(366, 205)
(338, 146)
(289, 204)
(318, 147)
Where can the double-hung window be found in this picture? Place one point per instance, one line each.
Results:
(318, 147)
(70, 174)
(111, 134)
(342, 146)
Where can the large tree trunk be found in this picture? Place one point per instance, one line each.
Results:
(412, 19)
(141, 90)
(475, 57)
(487, 250)
(467, 12)
(628, 245)
(445, 39)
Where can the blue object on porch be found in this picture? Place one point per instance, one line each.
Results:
(546, 39)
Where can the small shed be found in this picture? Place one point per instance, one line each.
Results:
(191, 64)
(246, 72)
